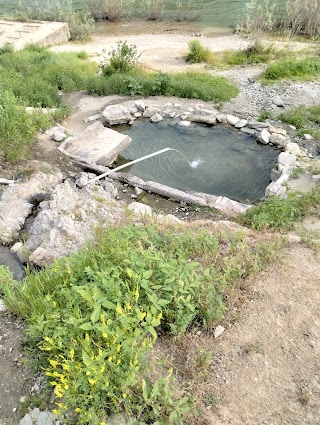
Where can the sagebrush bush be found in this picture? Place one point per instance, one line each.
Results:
(197, 52)
(122, 59)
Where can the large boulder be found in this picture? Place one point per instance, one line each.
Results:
(95, 145)
(115, 114)
(17, 201)
(68, 220)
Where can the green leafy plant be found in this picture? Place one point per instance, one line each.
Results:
(122, 59)
(305, 69)
(93, 317)
(197, 52)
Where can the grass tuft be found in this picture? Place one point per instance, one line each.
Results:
(294, 69)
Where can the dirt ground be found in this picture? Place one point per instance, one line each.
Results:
(265, 368)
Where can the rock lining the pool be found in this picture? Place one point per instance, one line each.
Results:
(184, 117)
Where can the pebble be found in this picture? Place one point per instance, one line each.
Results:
(3, 308)
(218, 331)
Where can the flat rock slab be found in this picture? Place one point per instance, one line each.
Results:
(95, 145)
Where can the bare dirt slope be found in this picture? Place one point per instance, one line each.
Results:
(267, 365)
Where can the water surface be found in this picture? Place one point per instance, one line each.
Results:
(223, 161)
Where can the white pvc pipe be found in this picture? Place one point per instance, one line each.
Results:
(128, 164)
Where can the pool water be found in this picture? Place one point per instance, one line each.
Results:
(218, 160)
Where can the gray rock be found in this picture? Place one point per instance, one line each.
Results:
(293, 148)
(264, 137)
(274, 187)
(15, 248)
(185, 124)
(185, 115)
(26, 420)
(16, 201)
(137, 115)
(258, 124)
(140, 209)
(220, 117)
(232, 120)
(46, 418)
(281, 193)
(218, 331)
(279, 140)
(286, 160)
(229, 206)
(3, 308)
(292, 127)
(138, 191)
(115, 114)
(277, 101)
(133, 110)
(67, 221)
(247, 130)
(57, 129)
(139, 104)
(150, 111)
(156, 118)
(316, 177)
(307, 137)
(277, 130)
(93, 118)
(58, 136)
(241, 123)
(95, 145)
(204, 119)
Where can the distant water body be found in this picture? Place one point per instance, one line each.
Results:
(212, 13)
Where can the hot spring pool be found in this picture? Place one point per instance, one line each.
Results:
(222, 160)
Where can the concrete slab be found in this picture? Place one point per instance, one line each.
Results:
(19, 34)
(95, 145)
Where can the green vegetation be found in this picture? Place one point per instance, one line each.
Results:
(306, 120)
(281, 214)
(94, 317)
(257, 52)
(198, 85)
(198, 53)
(32, 77)
(294, 69)
(123, 59)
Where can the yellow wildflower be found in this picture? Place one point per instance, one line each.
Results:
(92, 381)
(72, 354)
(65, 367)
(124, 395)
(78, 410)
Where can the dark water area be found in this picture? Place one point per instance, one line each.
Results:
(223, 161)
(11, 260)
(211, 13)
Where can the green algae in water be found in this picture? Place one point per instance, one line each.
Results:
(223, 161)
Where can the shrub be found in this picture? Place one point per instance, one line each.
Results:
(197, 53)
(108, 9)
(123, 59)
(153, 9)
(302, 17)
(308, 68)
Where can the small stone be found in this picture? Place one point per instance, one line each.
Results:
(293, 148)
(264, 137)
(177, 105)
(258, 124)
(156, 118)
(278, 101)
(307, 137)
(241, 123)
(218, 331)
(3, 308)
(137, 114)
(26, 420)
(172, 115)
(133, 110)
(184, 124)
(23, 399)
(139, 104)
(247, 130)
(150, 111)
(232, 120)
(316, 177)
(278, 130)
(139, 208)
(58, 136)
(138, 191)
(93, 118)
(15, 248)
(185, 115)
(292, 127)
(133, 196)
(14, 410)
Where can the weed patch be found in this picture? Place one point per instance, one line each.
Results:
(306, 120)
(294, 69)
(281, 214)
(93, 317)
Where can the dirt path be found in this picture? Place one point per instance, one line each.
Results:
(267, 364)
